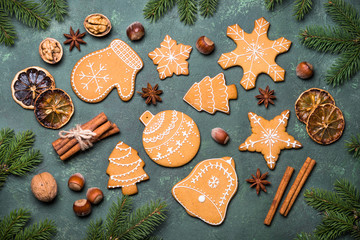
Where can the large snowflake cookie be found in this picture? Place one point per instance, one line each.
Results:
(171, 58)
(125, 169)
(96, 74)
(255, 53)
(207, 191)
(269, 137)
(170, 138)
(211, 94)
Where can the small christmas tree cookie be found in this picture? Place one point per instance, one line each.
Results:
(125, 169)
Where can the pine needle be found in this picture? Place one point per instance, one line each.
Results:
(187, 10)
(38, 231)
(7, 30)
(57, 8)
(306, 236)
(208, 7)
(347, 192)
(353, 146)
(95, 230)
(334, 225)
(301, 8)
(118, 213)
(155, 9)
(270, 4)
(13, 223)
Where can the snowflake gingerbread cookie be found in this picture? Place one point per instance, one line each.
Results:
(207, 191)
(171, 58)
(255, 53)
(95, 75)
(125, 169)
(269, 137)
(211, 94)
(170, 138)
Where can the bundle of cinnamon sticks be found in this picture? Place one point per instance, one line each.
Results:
(67, 147)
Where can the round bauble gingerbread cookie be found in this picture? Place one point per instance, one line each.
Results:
(170, 138)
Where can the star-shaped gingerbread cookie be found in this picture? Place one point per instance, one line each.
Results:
(171, 58)
(269, 137)
(255, 53)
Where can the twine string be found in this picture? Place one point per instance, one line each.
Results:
(83, 136)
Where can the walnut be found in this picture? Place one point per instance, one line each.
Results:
(50, 50)
(97, 25)
(44, 187)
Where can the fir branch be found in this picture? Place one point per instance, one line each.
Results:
(348, 193)
(27, 162)
(187, 10)
(345, 15)
(333, 40)
(95, 230)
(345, 67)
(38, 231)
(155, 9)
(28, 12)
(306, 236)
(270, 4)
(353, 146)
(118, 213)
(301, 8)
(208, 7)
(13, 223)
(144, 221)
(7, 30)
(57, 8)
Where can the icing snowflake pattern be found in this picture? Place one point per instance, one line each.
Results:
(94, 76)
(269, 137)
(171, 58)
(255, 53)
(213, 182)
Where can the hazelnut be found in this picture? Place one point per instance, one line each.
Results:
(97, 25)
(304, 70)
(44, 187)
(50, 50)
(205, 45)
(94, 195)
(82, 207)
(135, 31)
(76, 182)
(220, 136)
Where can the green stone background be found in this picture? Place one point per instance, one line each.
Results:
(246, 211)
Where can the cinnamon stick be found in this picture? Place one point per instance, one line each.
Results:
(76, 148)
(92, 125)
(299, 187)
(279, 193)
(113, 130)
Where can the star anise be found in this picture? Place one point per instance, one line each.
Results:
(266, 96)
(74, 38)
(259, 181)
(151, 94)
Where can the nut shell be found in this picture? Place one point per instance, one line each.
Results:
(87, 23)
(135, 31)
(82, 207)
(204, 45)
(57, 57)
(44, 187)
(220, 135)
(94, 195)
(304, 70)
(76, 182)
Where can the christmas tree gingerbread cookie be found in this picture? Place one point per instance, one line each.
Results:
(211, 94)
(255, 53)
(125, 169)
(207, 191)
(171, 58)
(269, 137)
(170, 138)
(95, 75)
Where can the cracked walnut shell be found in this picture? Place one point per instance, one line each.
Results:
(97, 25)
(50, 50)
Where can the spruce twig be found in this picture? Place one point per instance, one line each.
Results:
(306, 236)
(187, 10)
(155, 9)
(7, 30)
(118, 213)
(353, 146)
(270, 4)
(207, 7)
(57, 8)
(301, 8)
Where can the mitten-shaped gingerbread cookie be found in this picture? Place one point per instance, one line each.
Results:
(96, 74)
(211, 94)
(125, 169)
(207, 191)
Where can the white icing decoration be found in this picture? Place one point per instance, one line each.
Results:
(213, 182)
(201, 198)
(156, 125)
(166, 132)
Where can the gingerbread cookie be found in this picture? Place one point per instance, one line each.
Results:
(171, 58)
(211, 94)
(170, 138)
(269, 137)
(255, 53)
(125, 169)
(207, 191)
(96, 74)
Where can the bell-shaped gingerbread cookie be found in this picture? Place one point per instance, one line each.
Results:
(95, 75)
(207, 191)
(211, 94)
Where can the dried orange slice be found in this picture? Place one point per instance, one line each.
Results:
(309, 100)
(29, 83)
(325, 124)
(53, 108)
